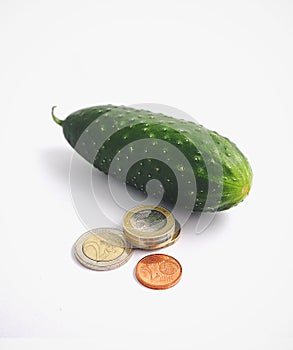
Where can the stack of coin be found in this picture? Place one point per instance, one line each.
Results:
(150, 227)
(144, 227)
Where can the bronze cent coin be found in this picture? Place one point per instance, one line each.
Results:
(158, 271)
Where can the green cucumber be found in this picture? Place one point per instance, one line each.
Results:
(206, 170)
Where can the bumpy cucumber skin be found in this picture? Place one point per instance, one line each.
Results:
(234, 182)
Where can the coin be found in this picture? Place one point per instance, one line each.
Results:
(102, 249)
(176, 234)
(170, 241)
(148, 225)
(158, 271)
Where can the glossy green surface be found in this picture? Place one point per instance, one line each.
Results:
(143, 144)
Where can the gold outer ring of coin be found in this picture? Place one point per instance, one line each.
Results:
(102, 249)
(137, 235)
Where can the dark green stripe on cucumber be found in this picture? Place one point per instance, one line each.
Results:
(203, 169)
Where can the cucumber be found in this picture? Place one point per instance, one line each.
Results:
(197, 167)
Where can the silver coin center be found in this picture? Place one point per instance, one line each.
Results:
(148, 220)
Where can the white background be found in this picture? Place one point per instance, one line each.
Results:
(229, 63)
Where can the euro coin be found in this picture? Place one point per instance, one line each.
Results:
(102, 249)
(148, 225)
(170, 241)
(158, 271)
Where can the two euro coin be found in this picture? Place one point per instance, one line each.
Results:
(102, 249)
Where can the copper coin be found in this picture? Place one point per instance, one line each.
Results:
(158, 271)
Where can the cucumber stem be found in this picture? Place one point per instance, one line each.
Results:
(56, 120)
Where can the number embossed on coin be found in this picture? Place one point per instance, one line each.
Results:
(98, 249)
(158, 271)
(102, 249)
